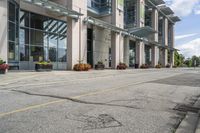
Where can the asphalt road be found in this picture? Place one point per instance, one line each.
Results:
(110, 101)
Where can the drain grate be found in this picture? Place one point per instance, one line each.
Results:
(186, 108)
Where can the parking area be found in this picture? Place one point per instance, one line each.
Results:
(109, 101)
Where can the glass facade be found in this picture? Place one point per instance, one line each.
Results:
(148, 54)
(42, 38)
(130, 14)
(101, 7)
(13, 32)
(132, 54)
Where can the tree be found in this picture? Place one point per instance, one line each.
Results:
(195, 59)
(178, 59)
(188, 62)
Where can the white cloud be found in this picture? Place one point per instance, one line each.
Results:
(183, 7)
(190, 48)
(184, 36)
(197, 10)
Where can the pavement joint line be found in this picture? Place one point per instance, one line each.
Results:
(63, 100)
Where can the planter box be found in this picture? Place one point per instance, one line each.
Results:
(2, 71)
(99, 66)
(43, 68)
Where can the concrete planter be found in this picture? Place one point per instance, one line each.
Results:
(3, 71)
(99, 67)
(43, 68)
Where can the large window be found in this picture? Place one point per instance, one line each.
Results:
(130, 13)
(42, 38)
(13, 31)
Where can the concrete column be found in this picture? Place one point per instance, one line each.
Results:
(126, 50)
(140, 53)
(172, 45)
(115, 49)
(76, 35)
(165, 41)
(140, 47)
(4, 30)
(117, 40)
(155, 50)
(172, 58)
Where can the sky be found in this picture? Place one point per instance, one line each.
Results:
(187, 31)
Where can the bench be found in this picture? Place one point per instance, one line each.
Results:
(13, 64)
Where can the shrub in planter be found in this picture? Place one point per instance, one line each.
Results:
(3, 66)
(174, 66)
(121, 66)
(144, 66)
(43, 66)
(158, 66)
(99, 66)
(168, 66)
(82, 67)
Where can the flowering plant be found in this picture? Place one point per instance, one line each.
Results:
(82, 67)
(121, 66)
(3, 65)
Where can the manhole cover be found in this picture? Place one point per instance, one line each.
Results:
(102, 121)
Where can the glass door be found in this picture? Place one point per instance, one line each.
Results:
(132, 54)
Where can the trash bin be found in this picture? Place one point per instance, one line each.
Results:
(136, 66)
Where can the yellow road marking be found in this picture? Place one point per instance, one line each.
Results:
(30, 107)
(59, 101)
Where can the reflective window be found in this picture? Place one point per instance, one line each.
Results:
(13, 31)
(12, 12)
(24, 19)
(52, 54)
(24, 53)
(37, 37)
(38, 21)
(11, 54)
(44, 39)
(24, 36)
(36, 53)
(62, 49)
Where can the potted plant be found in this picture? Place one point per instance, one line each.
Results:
(158, 66)
(168, 65)
(121, 66)
(82, 67)
(99, 65)
(3, 66)
(43, 66)
(144, 66)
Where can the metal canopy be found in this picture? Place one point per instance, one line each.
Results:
(166, 10)
(142, 31)
(175, 18)
(52, 6)
(157, 2)
(103, 24)
(157, 7)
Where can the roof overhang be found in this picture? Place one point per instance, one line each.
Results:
(174, 18)
(166, 10)
(142, 31)
(157, 2)
(103, 24)
(52, 6)
(158, 8)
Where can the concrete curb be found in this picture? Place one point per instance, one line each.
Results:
(191, 122)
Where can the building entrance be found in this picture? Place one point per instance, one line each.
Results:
(90, 47)
(132, 53)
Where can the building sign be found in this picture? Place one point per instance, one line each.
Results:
(120, 4)
(142, 11)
